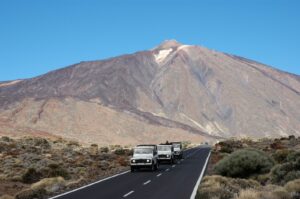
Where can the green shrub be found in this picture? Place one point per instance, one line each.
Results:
(31, 176)
(293, 156)
(244, 163)
(286, 172)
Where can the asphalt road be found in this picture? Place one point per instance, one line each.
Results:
(169, 182)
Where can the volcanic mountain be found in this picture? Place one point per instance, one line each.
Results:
(171, 92)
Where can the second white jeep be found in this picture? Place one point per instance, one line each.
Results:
(165, 153)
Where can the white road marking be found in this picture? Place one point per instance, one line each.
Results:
(147, 182)
(167, 169)
(158, 175)
(89, 185)
(127, 194)
(174, 166)
(200, 178)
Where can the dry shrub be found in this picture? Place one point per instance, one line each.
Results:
(281, 155)
(7, 197)
(266, 192)
(31, 193)
(248, 194)
(223, 187)
(122, 161)
(293, 186)
(49, 184)
(277, 145)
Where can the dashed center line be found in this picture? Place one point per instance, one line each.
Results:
(167, 169)
(147, 182)
(174, 166)
(158, 175)
(127, 194)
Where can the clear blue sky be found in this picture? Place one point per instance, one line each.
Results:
(37, 36)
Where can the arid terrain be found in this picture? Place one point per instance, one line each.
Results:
(174, 91)
(248, 169)
(34, 167)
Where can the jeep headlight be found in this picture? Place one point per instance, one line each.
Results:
(168, 156)
(133, 161)
(148, 160)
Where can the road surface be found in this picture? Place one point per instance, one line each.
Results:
(169, 182)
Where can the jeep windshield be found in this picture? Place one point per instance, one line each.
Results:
(164, 148)
(176, 146)
(143, 151)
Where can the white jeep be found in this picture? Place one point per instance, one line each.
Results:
(144, 156)
(178, 152)
(165, 153)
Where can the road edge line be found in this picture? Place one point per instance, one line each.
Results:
(200, 178)
(88, 185)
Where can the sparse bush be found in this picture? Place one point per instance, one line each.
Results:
(123, 162)
(262, 179)
(93, 149)
(104, 149)
(244, 163)
(277, 145)
(248, 194)
(7, 197)
(31, 193)
(56, 170)
(73, 143)
(104, 165)
(222, 187)
(129, 152)
(185, 144)
(31, 176)
(292, 137)
(281, 155)
(120, 151)
(226, 149)
(6, 139)
(267, 192)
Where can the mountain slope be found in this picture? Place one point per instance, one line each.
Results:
(189, 90)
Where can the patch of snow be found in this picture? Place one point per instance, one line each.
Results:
(10, 83)
(162, 54)
(183, 47)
